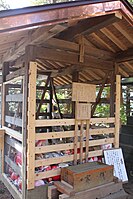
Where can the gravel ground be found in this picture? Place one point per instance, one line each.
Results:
(4, 193)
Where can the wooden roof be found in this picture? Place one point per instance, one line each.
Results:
(89, 36)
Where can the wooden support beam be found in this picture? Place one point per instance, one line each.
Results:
(14, 98)
(75, 78)
(13, 120)
(71, 58)
(68, 122)
(31, 125)
(113, 38)
(88, 26)
(36, 38)
(81, 49)
(13, 133)
(112, 95)
(2, 133)
(13, 143)
(74, 47)
(124, 56)
(15, 74)
(25, 123)
(5, 72)
(117, 110)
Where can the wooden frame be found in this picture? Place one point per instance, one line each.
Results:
(32, 135)
(82, 125)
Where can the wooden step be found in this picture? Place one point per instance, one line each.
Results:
(108, 191)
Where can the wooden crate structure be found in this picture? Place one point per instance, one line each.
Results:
(23, 126)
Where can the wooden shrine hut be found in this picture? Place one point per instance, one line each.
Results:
(88, 42)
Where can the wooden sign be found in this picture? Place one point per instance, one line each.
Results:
(83, 111)
(83, 92)
(115, 157)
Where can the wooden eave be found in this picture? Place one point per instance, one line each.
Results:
(58, 33)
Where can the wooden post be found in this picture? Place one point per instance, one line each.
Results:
(75, 77)
(112, 95)
(117, 110)
(24, 130)
(31, 126)
(128, 101)
(5, 72)
(1, 151)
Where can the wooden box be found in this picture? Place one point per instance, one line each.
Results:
(88, 175)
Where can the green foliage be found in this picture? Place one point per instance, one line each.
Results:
(131, 1)
(103, 110)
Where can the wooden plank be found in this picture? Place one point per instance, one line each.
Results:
(117, 110)
(87, 139)
(102, 120)
(71, 58)
(31, 125)
(36, 37)
(67, 122)
(13, 143)
(83, 92)
(89, 26)
(102, 191)
(13, 165)
(15, 74)
(67, 146)
(47, 174)
(53, 193)
(63, 188)
(14, 98)
(81, 142)
(113, 38)
(124, 56)
(13, 133)
(5, 71)
(2, 133)
(14, 80)
(67, 45)
(13, 120)
(54, 122)
(112, 95)
(75, 142)
(68, 134)
(81, 48)
(67, 158)
(24, 125)
(11, 188)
